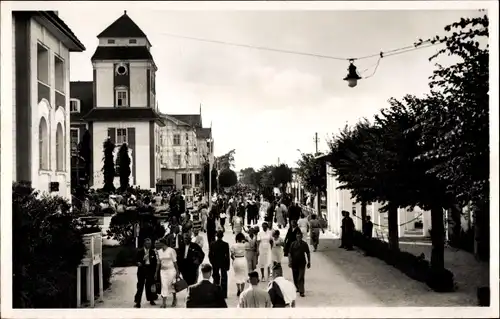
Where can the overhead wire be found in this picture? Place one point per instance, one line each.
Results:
(415, 46)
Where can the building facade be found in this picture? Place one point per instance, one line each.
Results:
(185, 147)
(413, 223)
(41, 46)
(123, 106)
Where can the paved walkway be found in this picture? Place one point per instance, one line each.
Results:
(337, 278)
(326, 285)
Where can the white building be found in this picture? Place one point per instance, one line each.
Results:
(185, 148)
(41, 56)
(123, 106)
(339, 200)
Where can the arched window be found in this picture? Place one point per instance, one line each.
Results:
(59, 148)
(43, 144)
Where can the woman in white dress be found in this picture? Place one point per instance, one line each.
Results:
(168, 272)
(240, 266)
(303, 224)
(265, 243)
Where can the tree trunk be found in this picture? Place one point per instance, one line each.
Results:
(455, 226)
(437, 238)
(393, 227)
(363, 215)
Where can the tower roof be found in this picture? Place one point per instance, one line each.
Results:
(123, 27)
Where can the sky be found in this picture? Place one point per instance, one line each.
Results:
(268, 105)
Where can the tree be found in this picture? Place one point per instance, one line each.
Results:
(124, 171)
(227, 178)
(48, 249)
(456, 130)
(226, 161)
(312, 172)
(282, 175)
(108, 168)
(249, 177)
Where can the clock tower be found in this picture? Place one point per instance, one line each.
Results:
(124, 102)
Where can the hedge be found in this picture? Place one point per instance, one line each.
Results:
(415, 267)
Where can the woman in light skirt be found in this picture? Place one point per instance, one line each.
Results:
(168, 272)
(240, 267)
(264, 244)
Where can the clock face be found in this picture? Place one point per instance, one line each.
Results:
(121, 69)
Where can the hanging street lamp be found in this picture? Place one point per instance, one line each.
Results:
(352, 77)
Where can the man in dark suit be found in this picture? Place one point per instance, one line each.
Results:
(291, 236)
(147, 269)
(174, 239)
(205, 294)
(220, 259)
(190, 257)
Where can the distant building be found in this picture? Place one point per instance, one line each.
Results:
(185, 147)
(120, 103)
(41, 48)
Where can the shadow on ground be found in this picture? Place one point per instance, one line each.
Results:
(393, 288)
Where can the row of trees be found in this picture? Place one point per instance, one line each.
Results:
(267, 178)
(431, 151)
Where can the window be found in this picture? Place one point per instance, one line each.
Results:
(111, 41)
(59, 148)
(43, 144)
(197, 180)
(121, 97)
(186, 179)
(187, 138)
(74, 138)
(59, 74)
(74, 106)
(121, 136)
(177, 139)
(42, 64)
(177, 159)
(132, 41)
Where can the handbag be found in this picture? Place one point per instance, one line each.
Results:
(180, 284)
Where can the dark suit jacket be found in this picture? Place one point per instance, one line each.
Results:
(171, 240)
(140, 259)
(291, 236)
(194, 257)
(218, 255)
(205, 295)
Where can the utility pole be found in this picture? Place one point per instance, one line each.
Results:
(318, 191)
(316, 141)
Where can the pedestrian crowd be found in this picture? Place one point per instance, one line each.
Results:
(257, 255)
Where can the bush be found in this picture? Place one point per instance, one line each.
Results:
(121, 227)
(415, 267)
(48, 249)
(119, 256)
